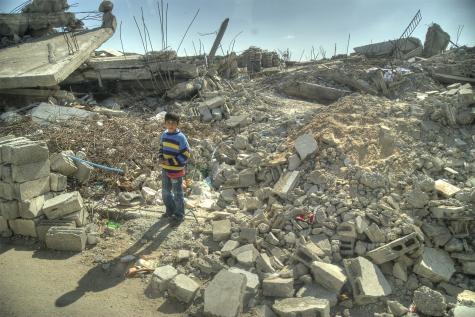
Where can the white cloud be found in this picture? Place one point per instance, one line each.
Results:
(289, 37)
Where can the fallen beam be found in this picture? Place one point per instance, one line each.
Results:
(317, 92)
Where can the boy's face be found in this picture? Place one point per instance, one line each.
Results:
(171, 125)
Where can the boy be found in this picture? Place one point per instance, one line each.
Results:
(173, 154)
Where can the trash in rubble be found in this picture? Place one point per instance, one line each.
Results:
(308, 217)
(113, 225)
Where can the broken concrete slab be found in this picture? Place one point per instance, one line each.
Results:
(31, 65)
(252, 283)
(229, 246)
(303, 306)
(238, 121)
(31, 208)
(62, 205)
(318, 291)
(64, 238)
(246, 255)
(305, 145)
(25, 190)
(307, 253)
(57, 182)
(9, 209)
(79, 217)
(264, 263)
(183, 288)
(395, 249)
(429, 302)
(63, 164)
(313, 91)
(278, 287)
(226, 287)
(435, 264)
(46, 113)
(367, 280)
(286, 183)
(221, 230)
(388, 48)
(328, 275)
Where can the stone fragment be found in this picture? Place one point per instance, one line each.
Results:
(429, 302)
(58, 182)
(183, 288)
(238, 121)
(252, 283)
(286, 183)
(417, 198)
(447, 212)
(318, 291)
(24, 173)
(307, 253)
(303, 306)
(63, 164)
(248, 235)
(246, 255)
(373, 180)
(83, 172)
(263, 311)
(435, 264)
(294, 162)
(205, 113)
(247, 178)
(228, 195)
(31, 208)
(446, 189)
(468, 268)
(25, 190)
(228, 247)
(439, 234)
(62, 205)
(396, 308)
(226, 287)
(44, 225)
(367, 280)
(400, 271)
(278, 287)
(148, 194)
(24, 227)
(264, 263)
(305, 145)
(160, 279)
(395, 249)
(221, 230)
(328, 275)
(79, 217)
(374, 233)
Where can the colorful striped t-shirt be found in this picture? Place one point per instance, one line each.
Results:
(175, 151)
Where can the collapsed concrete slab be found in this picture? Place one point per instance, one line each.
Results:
(367, 280)
(311, 91)
(436, 40)
(66, 239)
(389, 48)
(303, 306)
(224, 295)
(46, 113)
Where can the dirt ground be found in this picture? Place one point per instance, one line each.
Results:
(41, 282)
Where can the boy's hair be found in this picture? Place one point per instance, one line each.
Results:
(170, 116)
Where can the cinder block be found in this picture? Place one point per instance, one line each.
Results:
(23, 173)
(31, 208)
(66, 239)
(63, 204)
(79, 217)
(395, 249)
(183, 288)
(25, 190)
(328, 275)
(22, 151)
(367, 280)
(24, 227)
(160, 279)
(58, 182)
(44, 225)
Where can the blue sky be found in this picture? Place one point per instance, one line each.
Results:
(281, 24)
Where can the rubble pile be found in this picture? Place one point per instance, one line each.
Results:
(33, 199)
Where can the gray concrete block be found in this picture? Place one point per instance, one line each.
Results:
(264, 263)
(367, 280)
(305, 145)
(183, 288)
(303, 306)
(307, 253)
(205, 113)
(247, 178)
(79, 217)
(58, 182)
(66, 239)
(221, 230)
(252, 283)
(246, 255)
(224, 295)
(62, 205)
(328, 275)
(395, 249)
(229, 246)
(24, 227)
(160, 279)
(294, 162)
(62, 164)
(25, 190)
(31, 208)
(9, 209)
(20, 151)
(318, 291)
(248, 235)
(278, 287)
(23, 173)
(4, 228)
(44, 225)
(435, 264)
(286, 183)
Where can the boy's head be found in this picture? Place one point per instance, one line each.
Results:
(171, 121)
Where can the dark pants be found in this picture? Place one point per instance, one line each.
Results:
(172, 195)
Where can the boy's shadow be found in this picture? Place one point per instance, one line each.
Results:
(95, 280)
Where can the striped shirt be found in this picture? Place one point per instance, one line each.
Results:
(175, 151)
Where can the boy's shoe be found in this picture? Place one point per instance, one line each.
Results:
(175, 221)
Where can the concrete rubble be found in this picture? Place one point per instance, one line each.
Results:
(356, 193)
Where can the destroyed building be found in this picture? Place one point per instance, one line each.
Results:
(335, 187)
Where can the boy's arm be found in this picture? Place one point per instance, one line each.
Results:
(185, 152)
(160, 150)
